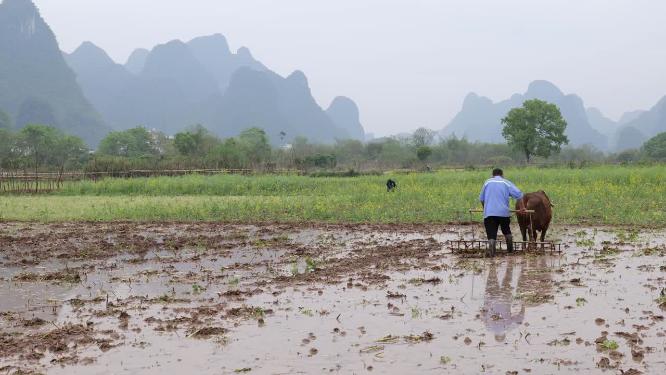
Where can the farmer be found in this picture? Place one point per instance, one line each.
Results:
(494, 198)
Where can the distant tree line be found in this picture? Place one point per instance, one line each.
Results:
(38, 148)
(43, 148)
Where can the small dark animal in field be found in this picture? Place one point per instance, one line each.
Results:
(543, 214)
(391, 185)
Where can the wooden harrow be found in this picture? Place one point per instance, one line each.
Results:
(461, 246)
(475, 246)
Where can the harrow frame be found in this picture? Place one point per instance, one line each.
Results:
(476, 245)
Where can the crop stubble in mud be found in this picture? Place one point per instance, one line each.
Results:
(77, 298)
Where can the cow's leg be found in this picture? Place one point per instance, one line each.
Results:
(523, 231)
(538, 239)
(543, 237)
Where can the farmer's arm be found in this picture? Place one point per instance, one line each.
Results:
(482, 196)
(514, 192)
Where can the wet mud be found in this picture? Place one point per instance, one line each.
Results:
(129, 298)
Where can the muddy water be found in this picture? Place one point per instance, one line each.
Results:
(291, 299)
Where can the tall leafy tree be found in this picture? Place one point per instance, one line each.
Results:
(228, 154)
(35, 143)
(135, 142)
(115, 144)
(196, 141)
(69, 151)
(348, 150)
(395, 151)
(423, 137)
(423, 153)
(39, 146)
(186, 143)
(7, 149)
(374, 149)
(655, 147)
(255, 144)
(535, 129)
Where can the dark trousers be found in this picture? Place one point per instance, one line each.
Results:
(492, 223)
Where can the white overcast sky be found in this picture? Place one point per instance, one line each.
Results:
(407, 63)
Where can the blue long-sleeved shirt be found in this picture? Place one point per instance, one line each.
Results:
(495, 196)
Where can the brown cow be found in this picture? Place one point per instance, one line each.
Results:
(543, 213)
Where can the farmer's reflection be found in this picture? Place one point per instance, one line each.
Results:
(497, 306)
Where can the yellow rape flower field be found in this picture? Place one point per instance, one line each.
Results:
(596, 195)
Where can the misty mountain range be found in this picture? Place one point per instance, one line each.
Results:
(170, 87)
(36, 85)
(480, 119)
(178, 84)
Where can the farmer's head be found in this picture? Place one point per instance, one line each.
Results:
(498, 172)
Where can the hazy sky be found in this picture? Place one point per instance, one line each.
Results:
(407, 63)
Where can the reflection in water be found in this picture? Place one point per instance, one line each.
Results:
(502, 309)
(498, 301)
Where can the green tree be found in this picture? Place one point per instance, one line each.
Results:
(300, 148)
(254, 143)
(348, 151)
(186, 143)
(41, 147)
(196, 141)
(655, 147)
(35, 144)
(136, 142)
(115, 143)
(229, 154)
(423, 153)
(393, 152)
(423, 137)
(69, 151)
(374, 149)
(7, 149)
(628, 156)
(5, 120)
(535, 129)
(320, 161)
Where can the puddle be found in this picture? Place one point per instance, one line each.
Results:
(290, 299)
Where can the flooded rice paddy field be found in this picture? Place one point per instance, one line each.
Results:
(128, 298)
